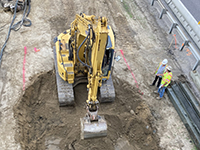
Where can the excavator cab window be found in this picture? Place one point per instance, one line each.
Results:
(107, 60)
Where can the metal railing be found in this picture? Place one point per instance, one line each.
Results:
(188, 40)
(187, 109)
(187, 20)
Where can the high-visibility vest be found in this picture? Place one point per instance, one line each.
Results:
(167, 77)
(159, 67)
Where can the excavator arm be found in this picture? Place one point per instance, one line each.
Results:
(87, 50)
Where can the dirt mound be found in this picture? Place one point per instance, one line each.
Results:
(42, 124)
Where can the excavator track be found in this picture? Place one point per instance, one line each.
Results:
(64, 89)
(107, 91)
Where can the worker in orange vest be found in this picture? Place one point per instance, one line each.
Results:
(166, 79)
(160, 70)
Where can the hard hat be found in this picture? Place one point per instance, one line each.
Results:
(165, 61)
(169, 68)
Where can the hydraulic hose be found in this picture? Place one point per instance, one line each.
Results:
(14, 16)
(24, 20)
(79, 50)
(13, 27)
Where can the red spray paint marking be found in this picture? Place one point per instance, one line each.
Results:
(36, 50)
(130, 71)
(25, 52)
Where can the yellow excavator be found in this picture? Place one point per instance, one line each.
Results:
(84, 53)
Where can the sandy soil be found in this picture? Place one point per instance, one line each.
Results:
(32, 119)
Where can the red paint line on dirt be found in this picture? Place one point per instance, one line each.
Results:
(36, 50)
(130, 71)
(175, 41)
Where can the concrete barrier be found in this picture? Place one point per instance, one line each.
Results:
(186, 19)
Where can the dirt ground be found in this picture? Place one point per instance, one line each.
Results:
(32, 119)
(44, 125)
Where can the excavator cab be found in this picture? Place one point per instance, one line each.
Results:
(109, 53)
(107, 62)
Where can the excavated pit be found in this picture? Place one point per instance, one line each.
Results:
(42, 124)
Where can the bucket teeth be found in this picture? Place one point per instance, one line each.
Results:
(93, 129)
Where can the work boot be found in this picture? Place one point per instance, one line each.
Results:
(155, 92)
(158, 98)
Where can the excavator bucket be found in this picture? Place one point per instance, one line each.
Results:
(93, 129)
